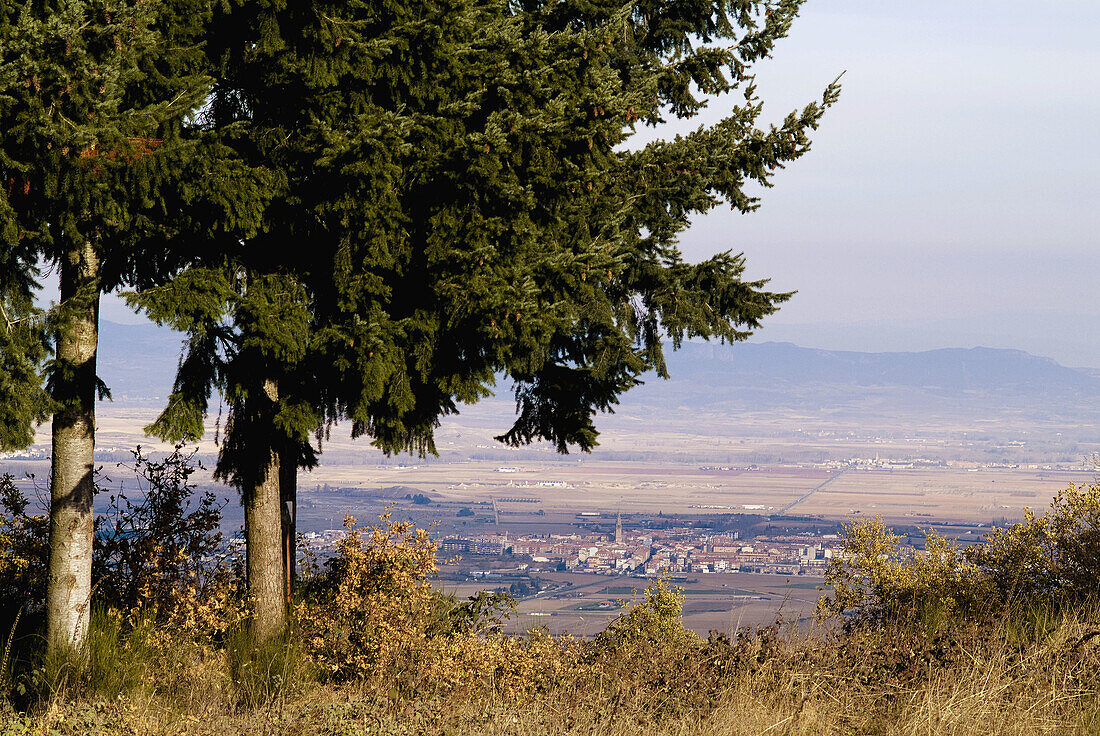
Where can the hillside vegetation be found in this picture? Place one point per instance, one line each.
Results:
(1000, 638)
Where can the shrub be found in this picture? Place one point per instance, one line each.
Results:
(512, 667)
(482, 613)
(161, 557)
(367, 609)
(157, 557)
(159, 583)
(1050, 560)
(656, 623)
(873, 580)
(373, 617)
(1054, 558)
(24, 550)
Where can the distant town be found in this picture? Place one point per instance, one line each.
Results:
(649, 552)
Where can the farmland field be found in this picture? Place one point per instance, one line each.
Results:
(713, 471)
(582, 604)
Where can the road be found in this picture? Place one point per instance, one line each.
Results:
(797, 501)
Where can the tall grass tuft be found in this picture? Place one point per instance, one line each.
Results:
(265, 674)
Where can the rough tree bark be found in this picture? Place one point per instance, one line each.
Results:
(288, 494)
(264, 536)
(69, 586)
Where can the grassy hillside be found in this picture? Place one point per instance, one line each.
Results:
(998, 638)
(1029, 676)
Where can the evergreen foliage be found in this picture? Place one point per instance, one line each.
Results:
(451, 199)
(95, 98)
(454, 201)
(23, 350)
(102, 178)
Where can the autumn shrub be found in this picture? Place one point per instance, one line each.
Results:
(157, 553)
(647, 650)
(1042, 563)
(646, 660)
(651, 625)
(24, 548)
(366, 612)
(161, 558)
(513, 668)
(163, 590)
(1054, 557)
(875, 581)
(372, 617)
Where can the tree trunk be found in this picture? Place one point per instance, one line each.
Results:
(264, 536)
(69, 586)
(288, 494)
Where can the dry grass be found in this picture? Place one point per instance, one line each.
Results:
(375, 651)
(1006, 679)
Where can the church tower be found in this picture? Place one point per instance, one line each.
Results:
(619, 528)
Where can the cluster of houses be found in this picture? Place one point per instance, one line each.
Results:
(649, 553)
(653, 553)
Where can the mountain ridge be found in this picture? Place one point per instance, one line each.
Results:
(948, 369)
(700, 366)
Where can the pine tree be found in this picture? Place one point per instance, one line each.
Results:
(24, 347)
(455, 201)
(94, 96)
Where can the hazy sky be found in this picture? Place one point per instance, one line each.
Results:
(958, 175)
(953, 190)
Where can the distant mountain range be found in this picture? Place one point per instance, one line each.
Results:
(138, 363)
(1071, 337)
(948, 370)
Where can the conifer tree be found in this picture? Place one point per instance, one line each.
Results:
(24, 346)
(455, 201)
(98, 174)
